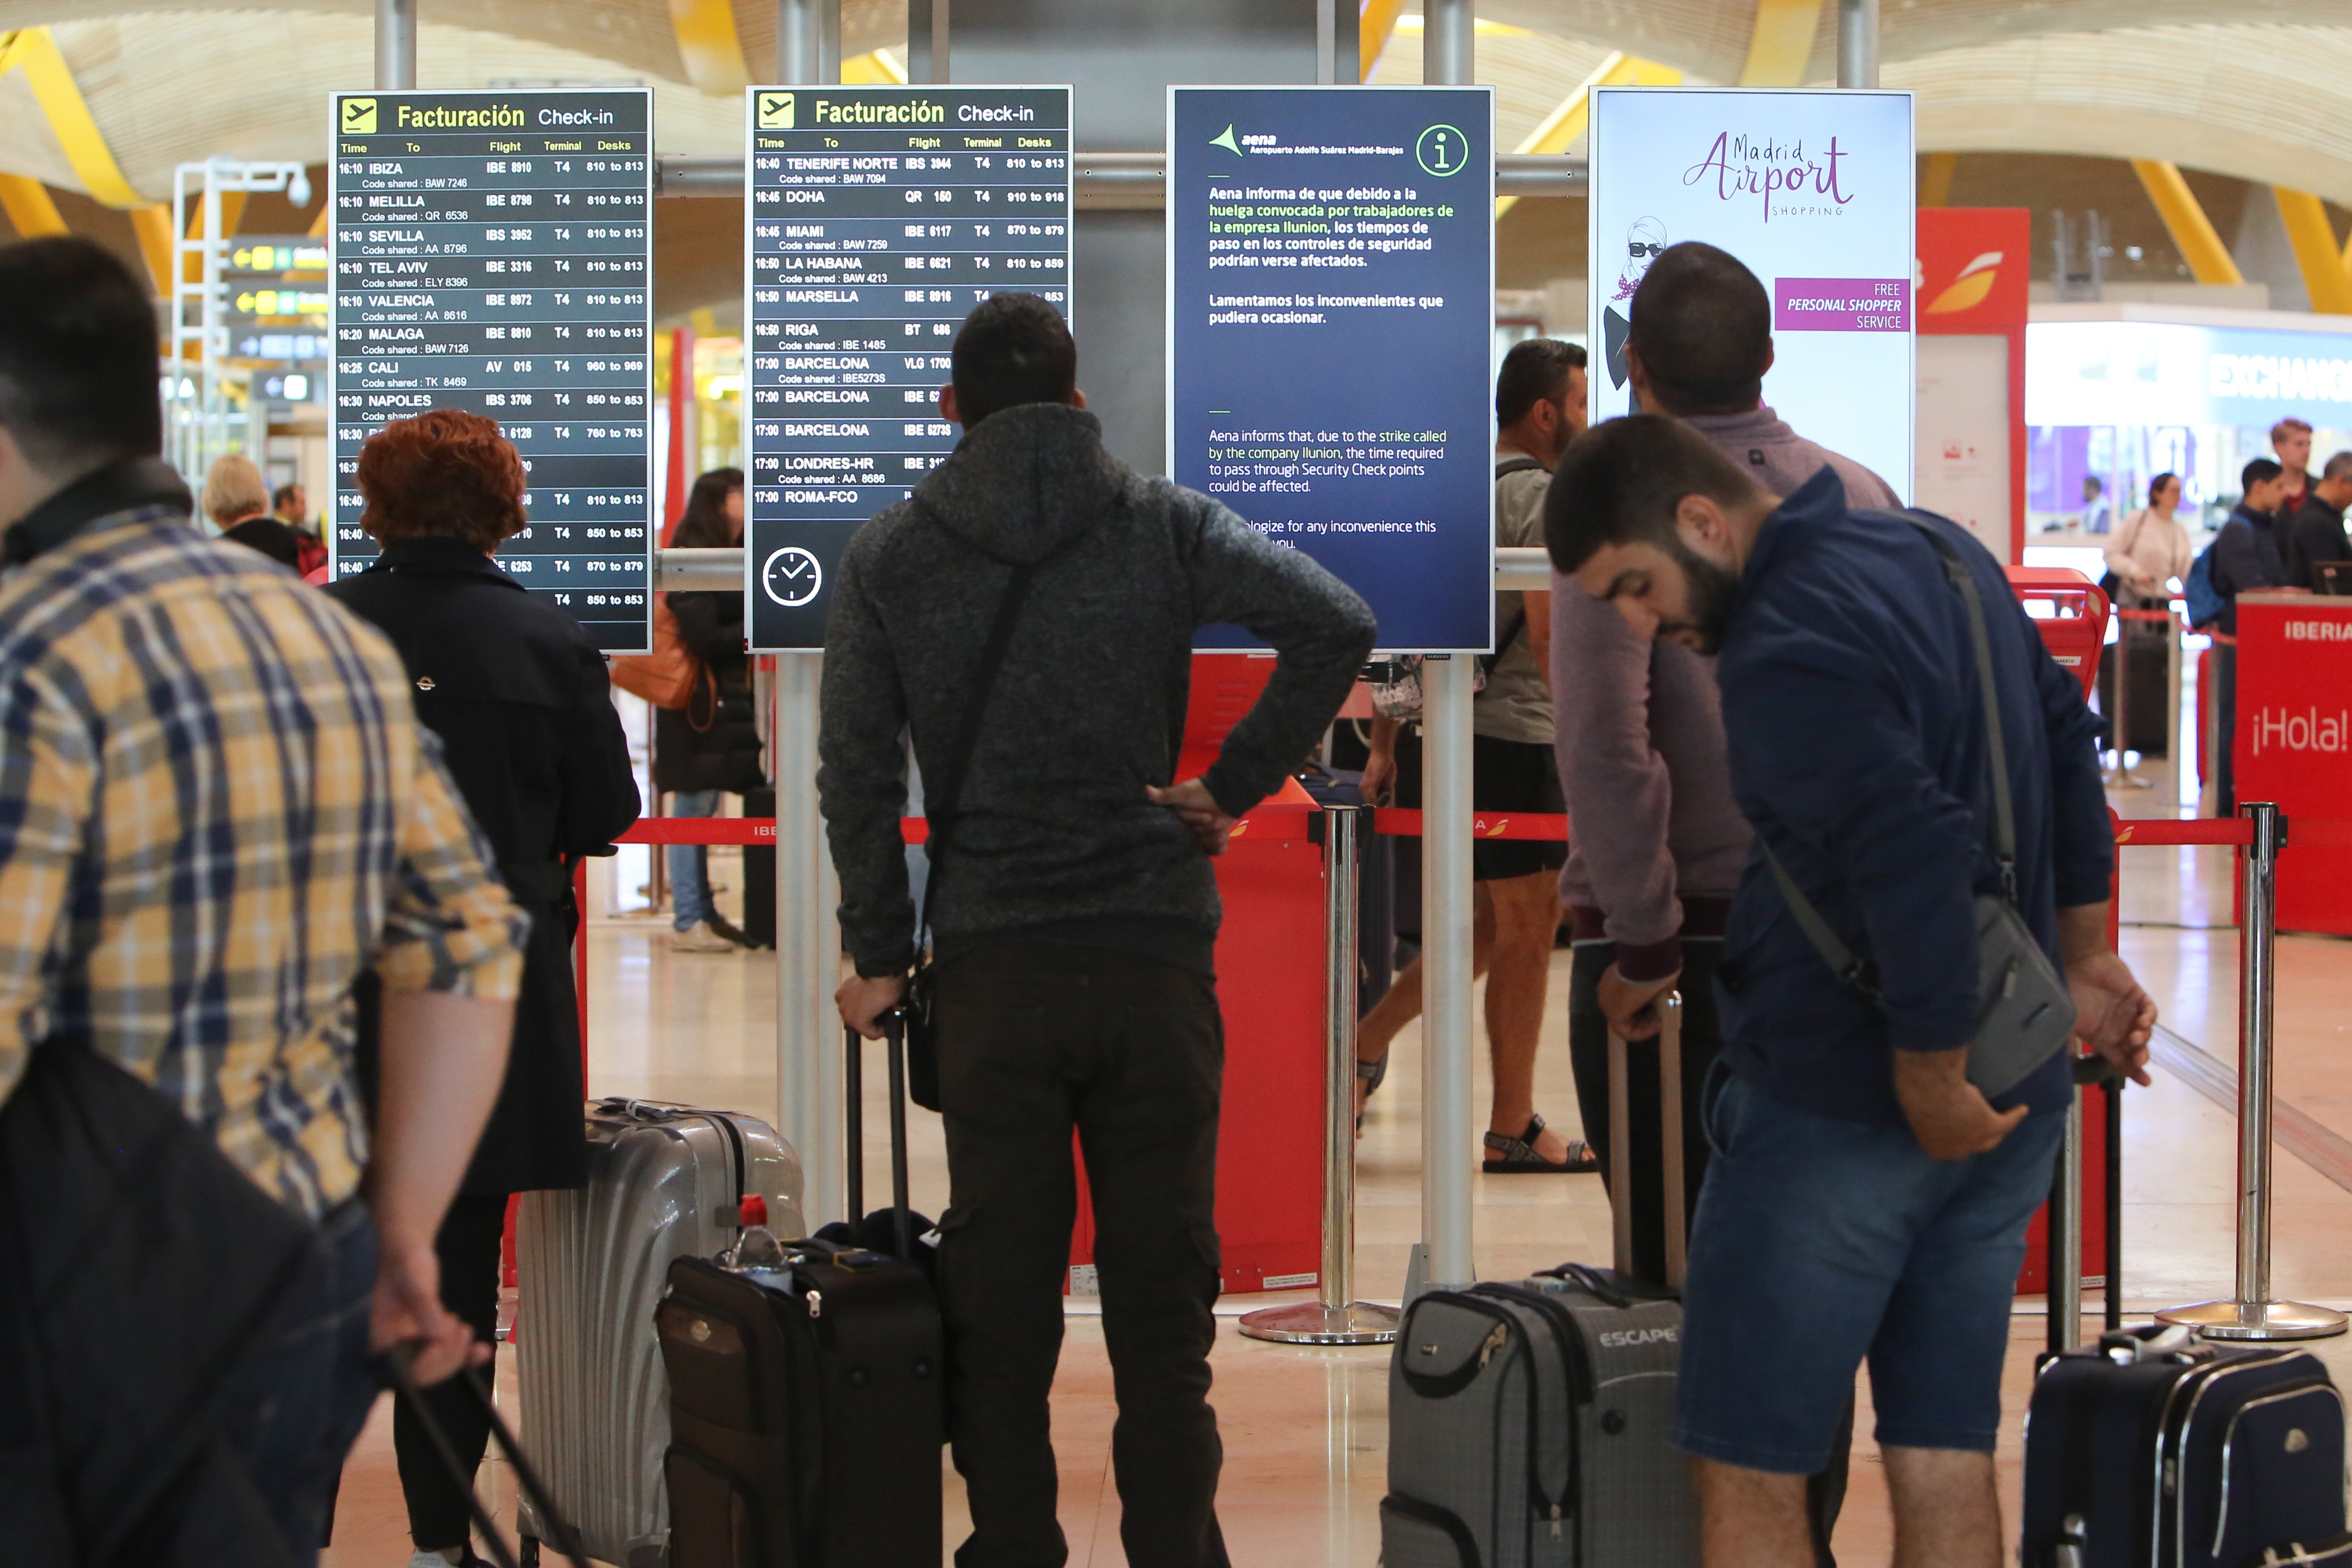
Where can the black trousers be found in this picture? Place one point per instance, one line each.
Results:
(1702, 1042)
(469, 1247)
(1036, 1039)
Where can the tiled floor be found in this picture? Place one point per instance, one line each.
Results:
(1304, 1430)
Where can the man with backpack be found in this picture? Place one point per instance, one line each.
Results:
(1539, 406)
(2244, 558)
(1028, 616)
(1906, 750)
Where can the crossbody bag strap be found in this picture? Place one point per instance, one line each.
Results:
(2004, 817)
(1857, 971)
(941, 804)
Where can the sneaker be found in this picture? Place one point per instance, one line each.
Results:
(464, 1559)
(700, 939)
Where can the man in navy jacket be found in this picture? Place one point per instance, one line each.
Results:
(1868, 1201)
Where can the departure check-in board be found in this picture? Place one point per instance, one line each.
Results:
(493, 251)
(879, 216)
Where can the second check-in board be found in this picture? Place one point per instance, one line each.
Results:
(877, 217)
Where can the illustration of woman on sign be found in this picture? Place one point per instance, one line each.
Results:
(1643, 242)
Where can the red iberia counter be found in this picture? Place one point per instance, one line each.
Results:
(2293, 741)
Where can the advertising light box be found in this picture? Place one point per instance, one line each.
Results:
(1814, 192)
(493, 251)
(2157, 372)
(1330, 338)
(877, 218)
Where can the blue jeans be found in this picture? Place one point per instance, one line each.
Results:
(1820, 1243)
(301, 1410)
(689, 864)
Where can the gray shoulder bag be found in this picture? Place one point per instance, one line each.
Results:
(2024, 1013)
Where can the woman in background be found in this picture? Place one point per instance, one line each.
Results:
(520, 698)
(711, 747)
(2150, 548)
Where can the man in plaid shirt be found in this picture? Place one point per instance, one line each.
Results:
(217, 812)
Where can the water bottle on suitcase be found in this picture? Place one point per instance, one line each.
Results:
(2153, 1450)
(806, 1391)
(663, 1181)
(1529, 1423)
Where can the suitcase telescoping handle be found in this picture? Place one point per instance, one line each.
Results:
(1669, 1040)
(894, 1037)
(397, 1366)
(2062, 1227)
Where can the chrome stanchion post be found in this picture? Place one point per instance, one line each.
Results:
(1336, 1318)
(2254, 1315)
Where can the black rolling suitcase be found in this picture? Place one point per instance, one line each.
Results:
(2153, 1450)
(806, 1391)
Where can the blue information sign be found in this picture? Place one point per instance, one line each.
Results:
(1330, 332)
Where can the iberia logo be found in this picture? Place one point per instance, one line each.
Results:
(1969, 289)
(1496, 829)
(1238, 828)
(1972, 263)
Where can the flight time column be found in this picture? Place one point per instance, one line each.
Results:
(877, 218)
(492, 251)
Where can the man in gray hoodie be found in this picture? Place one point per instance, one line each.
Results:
(1073, 910)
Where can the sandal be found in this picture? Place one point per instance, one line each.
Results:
(1370, 1074)
(1507, 1156)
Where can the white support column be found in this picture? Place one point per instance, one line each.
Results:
(395, 45)
(1857, 43)
(1443, 1259)
(1447, 914)
(1449, 42)
(798, 42)
(808, 1110)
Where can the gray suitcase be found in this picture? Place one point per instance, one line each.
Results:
(1529, 1423)
(663, 1181)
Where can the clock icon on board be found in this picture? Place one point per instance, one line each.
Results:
(791, 576)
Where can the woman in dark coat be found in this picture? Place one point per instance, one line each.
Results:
(699, 752)
(520, 698)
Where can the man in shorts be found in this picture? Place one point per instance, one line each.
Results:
(1539, 403)
(1867, 1201)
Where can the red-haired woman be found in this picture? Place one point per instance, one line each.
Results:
(519, 698)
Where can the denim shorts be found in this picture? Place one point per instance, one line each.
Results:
(1819, 1243)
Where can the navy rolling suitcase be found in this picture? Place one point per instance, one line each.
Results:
(2155, 1449)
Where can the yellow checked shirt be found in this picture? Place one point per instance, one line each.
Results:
(217, 809)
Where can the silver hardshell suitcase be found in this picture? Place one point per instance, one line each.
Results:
(663, 1181)
(1529, 1423)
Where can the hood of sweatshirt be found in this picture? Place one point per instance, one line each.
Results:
(1024, 482)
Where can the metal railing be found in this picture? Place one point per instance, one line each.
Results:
(723, 568)
(1131, 181)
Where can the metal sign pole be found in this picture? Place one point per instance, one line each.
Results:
(1443, 1259)
(395, 45)
(2252, 1315)
(1336, 1317)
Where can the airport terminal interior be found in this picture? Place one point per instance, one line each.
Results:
(2120, 244)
